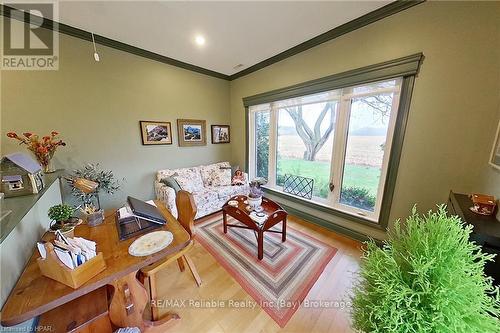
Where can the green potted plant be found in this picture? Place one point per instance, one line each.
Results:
(62, 219)
(427, 277)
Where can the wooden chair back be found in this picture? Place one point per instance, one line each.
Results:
(186, 210)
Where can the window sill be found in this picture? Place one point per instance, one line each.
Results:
(323, 208)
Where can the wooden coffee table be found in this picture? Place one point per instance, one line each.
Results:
(275, 214)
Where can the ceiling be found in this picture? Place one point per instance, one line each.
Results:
(235, 32)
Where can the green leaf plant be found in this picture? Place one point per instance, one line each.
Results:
(427, 278)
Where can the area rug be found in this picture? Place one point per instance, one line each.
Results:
(281, 280)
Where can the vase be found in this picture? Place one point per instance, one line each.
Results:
(254, 202)
(48, 167)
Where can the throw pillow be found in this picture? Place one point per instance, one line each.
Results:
(206, 171)
(186, 183)
(221, 177)
(171, 182)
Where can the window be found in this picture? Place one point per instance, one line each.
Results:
(340, 138)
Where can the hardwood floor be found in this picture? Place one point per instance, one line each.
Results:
(334, 284)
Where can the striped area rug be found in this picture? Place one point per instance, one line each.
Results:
(281, 280)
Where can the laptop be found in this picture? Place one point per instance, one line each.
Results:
(146, 211)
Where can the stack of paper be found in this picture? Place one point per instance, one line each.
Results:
(72, 252)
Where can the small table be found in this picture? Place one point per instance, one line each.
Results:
(275, 214)
(35, 294)
(486, 231)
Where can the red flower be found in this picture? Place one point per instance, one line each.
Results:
(54, 133)
(12, 135)
(27, 134)
(46, 138)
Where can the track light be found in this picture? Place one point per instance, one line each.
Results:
(96, 55)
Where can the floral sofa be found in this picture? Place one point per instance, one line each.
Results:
(210, 186)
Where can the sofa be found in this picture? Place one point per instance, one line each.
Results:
(210, 186)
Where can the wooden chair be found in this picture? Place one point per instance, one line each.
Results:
(186, 209)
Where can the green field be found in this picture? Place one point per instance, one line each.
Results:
(354, 175)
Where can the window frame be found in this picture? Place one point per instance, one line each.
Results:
(339, 148)
(405, 68)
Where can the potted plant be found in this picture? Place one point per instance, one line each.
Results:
(62, 219)
(43, 149)
(255, 194)
(427, 277)
(106, 183)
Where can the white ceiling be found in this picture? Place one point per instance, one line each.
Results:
(235, 32)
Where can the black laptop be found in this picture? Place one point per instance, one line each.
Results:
(146, 211)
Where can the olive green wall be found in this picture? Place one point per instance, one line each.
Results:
(97, 107)
(453, 112)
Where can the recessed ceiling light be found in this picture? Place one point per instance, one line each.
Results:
(200, 40)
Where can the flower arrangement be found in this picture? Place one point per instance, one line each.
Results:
(255, 190)
(427, 277)
(43, 148)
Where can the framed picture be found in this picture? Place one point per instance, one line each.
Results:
(495, 151)
(156, 133)
(192, 132)
(220, 134)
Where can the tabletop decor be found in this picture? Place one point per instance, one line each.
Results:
(62, 219)
(150, 243)
(43, 148)
(191, 132)
(104, 181)
(256, 192)
(156, 133)
(92, 214)
(220, 134)
(428, 277)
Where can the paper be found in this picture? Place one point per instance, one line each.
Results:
(151, 202)
(125, 212)
(65, 258)
(42, 250)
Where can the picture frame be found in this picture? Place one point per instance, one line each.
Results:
(191, 132)
(495, 150)
(156, 132)
(221, 134)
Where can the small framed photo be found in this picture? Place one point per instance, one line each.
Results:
(192, 132)
(495, 151)
(220, 134)
(156, 133)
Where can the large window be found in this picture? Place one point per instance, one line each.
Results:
(341, 139)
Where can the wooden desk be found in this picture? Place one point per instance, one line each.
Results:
(35, 294)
